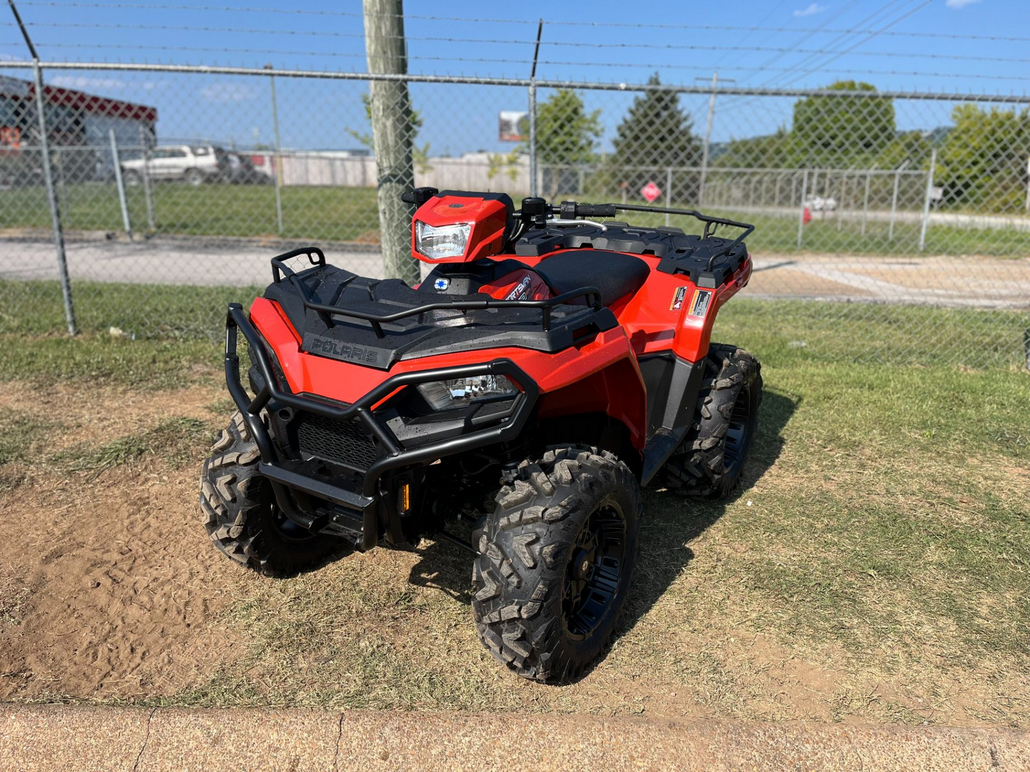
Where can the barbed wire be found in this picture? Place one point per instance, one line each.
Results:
(531, 22)
(562, 43)
(494, 60)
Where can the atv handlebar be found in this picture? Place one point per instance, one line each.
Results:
(536, 210)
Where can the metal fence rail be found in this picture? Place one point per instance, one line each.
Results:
(169, 186)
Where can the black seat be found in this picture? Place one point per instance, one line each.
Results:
(613, 273)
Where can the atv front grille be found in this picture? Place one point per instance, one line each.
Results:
(333, 439)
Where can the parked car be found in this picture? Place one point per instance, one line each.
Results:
(243, 171)
(192, 164)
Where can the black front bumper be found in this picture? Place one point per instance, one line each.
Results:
(360, 512)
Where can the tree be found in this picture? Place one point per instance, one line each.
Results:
(566, 138)
(656, 134)
(983, 161)
(841, 131)
(769, 152)
(911, 146)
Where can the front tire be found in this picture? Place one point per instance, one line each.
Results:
(194, 177)
(710, 460)
(241, 516)
(556, 562)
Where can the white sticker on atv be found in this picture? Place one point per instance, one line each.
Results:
(677, 299)
(699, 303)
(519, 290)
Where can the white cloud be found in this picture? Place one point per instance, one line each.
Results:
(84, 83)
(960, 3)
(815, 8)
(228, 92)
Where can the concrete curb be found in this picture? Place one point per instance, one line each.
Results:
(73, 738)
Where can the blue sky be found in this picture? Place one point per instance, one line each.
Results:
(920, 46)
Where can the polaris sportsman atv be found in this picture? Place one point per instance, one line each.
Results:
(546, 369)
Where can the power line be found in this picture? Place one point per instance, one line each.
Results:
(864, 41)
(839, 37)
(837, 55)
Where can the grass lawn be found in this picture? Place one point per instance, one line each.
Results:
(874, 566)
(350, 214)
(828, 331)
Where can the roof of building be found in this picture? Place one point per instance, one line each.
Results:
(79, 100)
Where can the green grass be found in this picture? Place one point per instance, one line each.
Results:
(351, 214)
(331, 214)
(137, 310)
(98, 360)
(879, 550)
(874, 566)
(826, 330)
(174, 440)
(779, 234)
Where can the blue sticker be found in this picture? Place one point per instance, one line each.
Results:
(441, 284)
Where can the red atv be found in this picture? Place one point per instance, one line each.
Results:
(546, 369)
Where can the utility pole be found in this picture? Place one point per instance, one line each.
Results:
(708, 137)
(391, 134)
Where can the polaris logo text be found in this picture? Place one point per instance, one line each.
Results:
(519, 290)
(337, 350)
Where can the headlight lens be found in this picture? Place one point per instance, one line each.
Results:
(445, 241)
(459, 392)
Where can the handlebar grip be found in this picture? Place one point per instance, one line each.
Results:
(571, 210)
(596, 210)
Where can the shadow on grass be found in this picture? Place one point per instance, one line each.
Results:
(670, 524)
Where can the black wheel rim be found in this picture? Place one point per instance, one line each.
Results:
(288, 529)
(593, 574)
(738, 433)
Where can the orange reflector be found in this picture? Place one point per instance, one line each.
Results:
(405, 497)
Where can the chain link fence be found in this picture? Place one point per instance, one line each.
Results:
(903, 215)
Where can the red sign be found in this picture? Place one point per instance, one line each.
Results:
(650, 192)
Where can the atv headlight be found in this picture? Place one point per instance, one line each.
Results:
(459, 392)
(437, 243)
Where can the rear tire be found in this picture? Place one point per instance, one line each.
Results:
(241, 516)
(556, 563)
(131, 178)
(194, 177)
(710, 460)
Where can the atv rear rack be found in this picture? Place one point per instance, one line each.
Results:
(363, 504)
(326, 312)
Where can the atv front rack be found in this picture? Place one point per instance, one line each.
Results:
(326, 312)
(364, 504)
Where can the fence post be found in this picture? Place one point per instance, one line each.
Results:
(894, 199)
(55, 211)
(147, 194)
(926, 200)
(120, 184)
(278, 155)
(532, 140)
(707, 141)
(843, 196)
(865, 200)
(801, 214)
(668, 192)
(533, 190)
